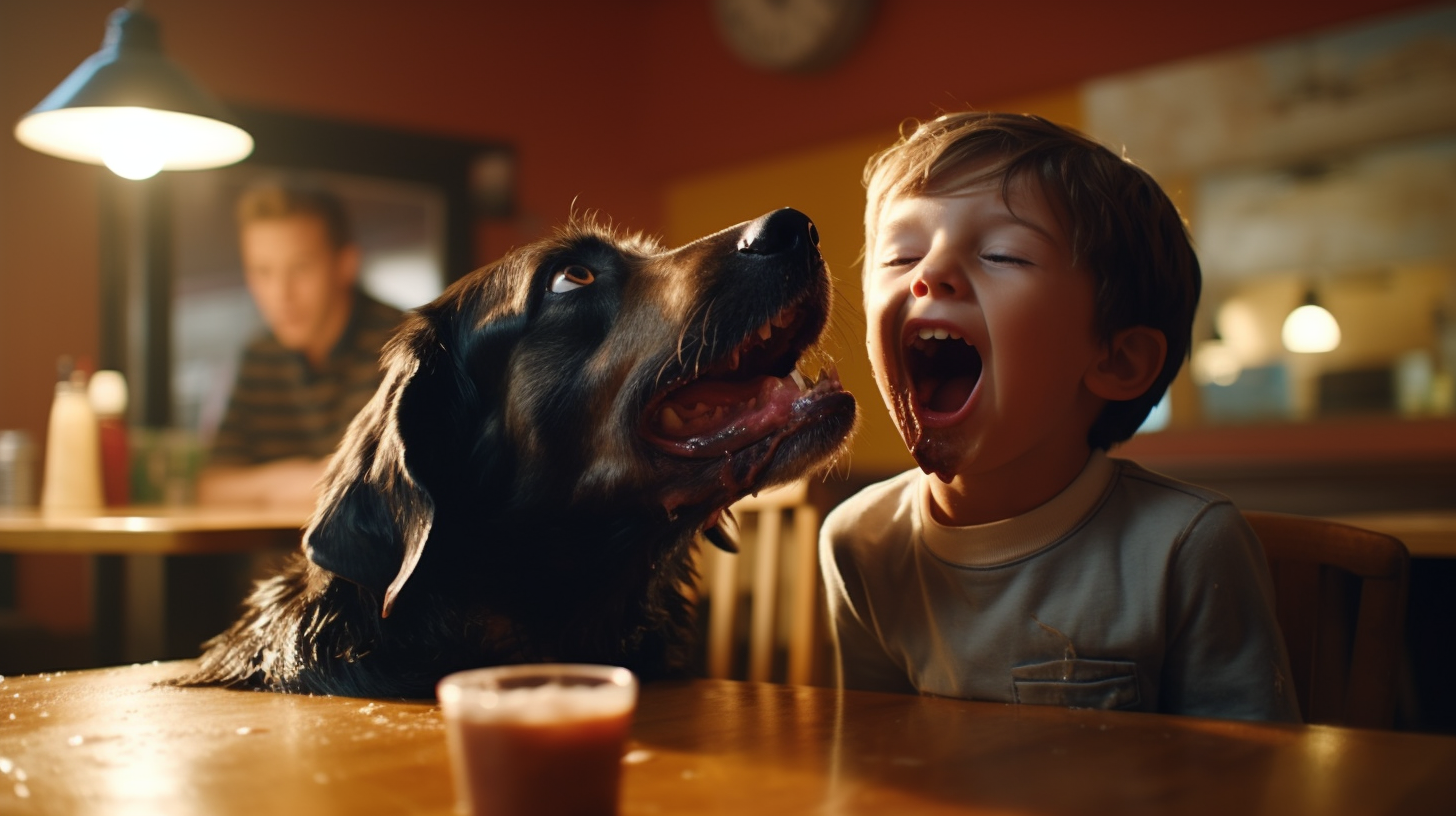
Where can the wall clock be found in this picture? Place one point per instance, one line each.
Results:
(792, 35)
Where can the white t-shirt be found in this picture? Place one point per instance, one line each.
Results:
(1127, 590)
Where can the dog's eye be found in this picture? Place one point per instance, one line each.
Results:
(572, 277)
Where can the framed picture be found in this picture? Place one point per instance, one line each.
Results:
(175, 310)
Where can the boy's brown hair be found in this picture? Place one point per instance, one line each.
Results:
(1121, 225)
(285, 198)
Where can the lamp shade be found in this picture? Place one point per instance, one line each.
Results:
(130, 108)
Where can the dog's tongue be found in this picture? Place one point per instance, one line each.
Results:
(713, 417)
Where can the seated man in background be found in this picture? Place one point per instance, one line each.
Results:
(302, 381)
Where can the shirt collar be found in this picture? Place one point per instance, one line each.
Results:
(1007, 540)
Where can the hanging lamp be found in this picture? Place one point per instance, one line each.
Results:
(1310, 328)
(130, 108)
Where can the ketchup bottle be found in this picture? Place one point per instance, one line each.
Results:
(108, 394)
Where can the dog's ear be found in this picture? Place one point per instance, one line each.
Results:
(371, 524)
(425, 427)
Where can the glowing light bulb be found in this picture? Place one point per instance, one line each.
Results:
(135, 145)
(1310, 329)
(134, 161)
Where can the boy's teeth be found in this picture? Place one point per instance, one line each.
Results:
(938, 334)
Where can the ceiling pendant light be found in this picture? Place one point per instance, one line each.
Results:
(1310, 329)
(130, 108)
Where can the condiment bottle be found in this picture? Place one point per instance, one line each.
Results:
(72, 479)
(107, 392)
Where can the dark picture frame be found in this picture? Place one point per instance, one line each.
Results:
(476, 179)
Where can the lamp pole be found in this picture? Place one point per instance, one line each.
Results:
(136, 293)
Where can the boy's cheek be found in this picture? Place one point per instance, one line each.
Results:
(882, 316)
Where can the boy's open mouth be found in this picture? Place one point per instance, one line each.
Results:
(943, 369)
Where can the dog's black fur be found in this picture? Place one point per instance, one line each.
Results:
(515, 491)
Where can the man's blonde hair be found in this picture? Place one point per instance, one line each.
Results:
(274, 198)
(1121, 226)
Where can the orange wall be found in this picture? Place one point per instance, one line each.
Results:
(608, 103)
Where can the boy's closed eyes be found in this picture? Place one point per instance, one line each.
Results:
(981, 335)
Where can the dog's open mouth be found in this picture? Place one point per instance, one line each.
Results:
(944, 370)
(744, 396)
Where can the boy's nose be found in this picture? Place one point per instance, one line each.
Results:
(931, 277)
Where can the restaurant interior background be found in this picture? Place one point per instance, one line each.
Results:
(1312, 146)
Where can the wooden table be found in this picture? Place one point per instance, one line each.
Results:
(151, 530)
(130, 545)
(110, 742)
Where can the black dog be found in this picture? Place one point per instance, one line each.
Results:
(552, 435)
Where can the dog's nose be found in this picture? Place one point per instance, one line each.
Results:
(778, 232)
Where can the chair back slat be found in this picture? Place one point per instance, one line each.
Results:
(1340, 598)
(779, 568)
(1383, 607)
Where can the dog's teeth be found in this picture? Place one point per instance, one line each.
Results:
(927, 334)
(798, 380)
(671, 422)
(765, 331)
(954, 336)
(700, 409)
(941, 334)
(718, 413)
(733, 361)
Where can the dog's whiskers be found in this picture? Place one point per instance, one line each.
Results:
(679, 350)
(703, 334)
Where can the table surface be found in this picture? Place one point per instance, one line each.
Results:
(110, 741)
(151, 530)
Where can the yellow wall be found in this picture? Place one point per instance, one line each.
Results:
(826, 184)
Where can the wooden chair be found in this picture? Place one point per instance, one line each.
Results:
(1340, 596)
(775, 577)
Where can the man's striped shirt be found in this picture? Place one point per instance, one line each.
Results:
(282, 407)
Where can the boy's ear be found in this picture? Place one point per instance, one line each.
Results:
(1129, 364)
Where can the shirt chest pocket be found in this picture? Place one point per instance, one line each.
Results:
(1077, 683)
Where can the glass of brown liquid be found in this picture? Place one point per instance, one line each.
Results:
(538, 740)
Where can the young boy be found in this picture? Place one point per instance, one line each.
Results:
(1029, 296)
